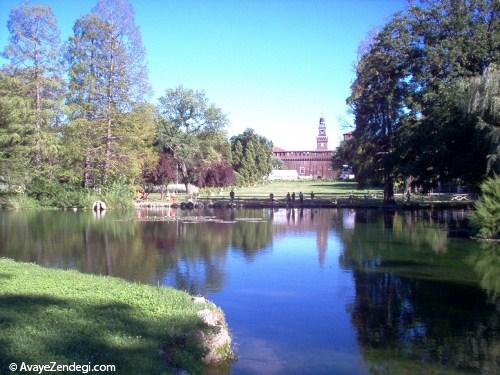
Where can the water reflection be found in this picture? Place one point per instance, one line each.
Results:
(189, 256)
(305, 291)
(418, 309)
(294, 221)
(487, 266)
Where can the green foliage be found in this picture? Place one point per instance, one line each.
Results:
(486, 215)
(487, 266)
(118, 196)
(481, 98)
(21, 201)
(192, 130)
(252, 157)
(49, 193)
(16, 131)
(412, 80)
(33, 53)
(68, 316)
(111, 127)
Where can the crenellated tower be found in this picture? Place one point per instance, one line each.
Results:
(322, 139)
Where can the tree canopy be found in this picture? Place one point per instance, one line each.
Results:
(412, 79)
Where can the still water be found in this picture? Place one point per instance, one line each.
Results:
(304, 291)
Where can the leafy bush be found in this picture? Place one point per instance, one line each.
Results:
(486, 216)
(21, 201)
(50, 193)
(118, 196)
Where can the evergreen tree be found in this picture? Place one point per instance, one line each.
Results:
(486, 216)
(16, 131)
(252, 156)
(32, 51)
(107, 91)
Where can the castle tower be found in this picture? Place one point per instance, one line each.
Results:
(322, 139)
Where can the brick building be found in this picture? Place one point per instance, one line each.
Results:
(316, 164)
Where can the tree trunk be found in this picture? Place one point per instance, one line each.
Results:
(90, 115)
(38, 106)
(408, 182)
(107, 153)
(87, 177)
(388, 189)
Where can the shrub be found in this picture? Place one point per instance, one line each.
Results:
(118, 196)
(486, 216)
(21, 201)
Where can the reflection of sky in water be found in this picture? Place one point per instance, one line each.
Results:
(288, 314)
(304, 291)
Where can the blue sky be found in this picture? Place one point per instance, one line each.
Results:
(273, 65)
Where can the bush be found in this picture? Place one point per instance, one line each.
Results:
(21, 201)
(486, 216)
(118, 196)
(50, 193)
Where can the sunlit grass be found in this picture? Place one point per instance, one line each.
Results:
(65, 316)
(281, 188)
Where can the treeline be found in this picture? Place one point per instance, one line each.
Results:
(426, 98)
(75, 115)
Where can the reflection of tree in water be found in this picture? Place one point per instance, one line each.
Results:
(193, 255)
(417, 310)
(250, 238)
(111, 246)
(487, 265)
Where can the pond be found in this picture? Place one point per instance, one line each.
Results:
(304, 291)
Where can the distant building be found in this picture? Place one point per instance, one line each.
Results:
(316, 164)
(283, 174)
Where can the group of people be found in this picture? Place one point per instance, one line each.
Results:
(290, 198)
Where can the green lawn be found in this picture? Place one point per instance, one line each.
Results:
(281, 188)
(325, 192)
(65, 316)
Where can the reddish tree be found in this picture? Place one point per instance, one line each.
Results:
(163, 172)
(217, 175)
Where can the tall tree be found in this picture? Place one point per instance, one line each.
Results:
(16, 131)
(33, 50)
(108, 86)
(378, 101)
(124, 69)
(193, 130)
(482, 99)
(252, 156)
(407, 98)
(86, 58)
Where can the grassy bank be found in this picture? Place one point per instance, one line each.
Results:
(65, 316)
(330, 194)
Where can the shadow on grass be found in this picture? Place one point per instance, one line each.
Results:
(36, 329)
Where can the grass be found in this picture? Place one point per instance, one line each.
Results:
(337, 191)
(320, 189)
(65, 316)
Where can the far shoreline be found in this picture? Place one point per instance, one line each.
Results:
(307, 204)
